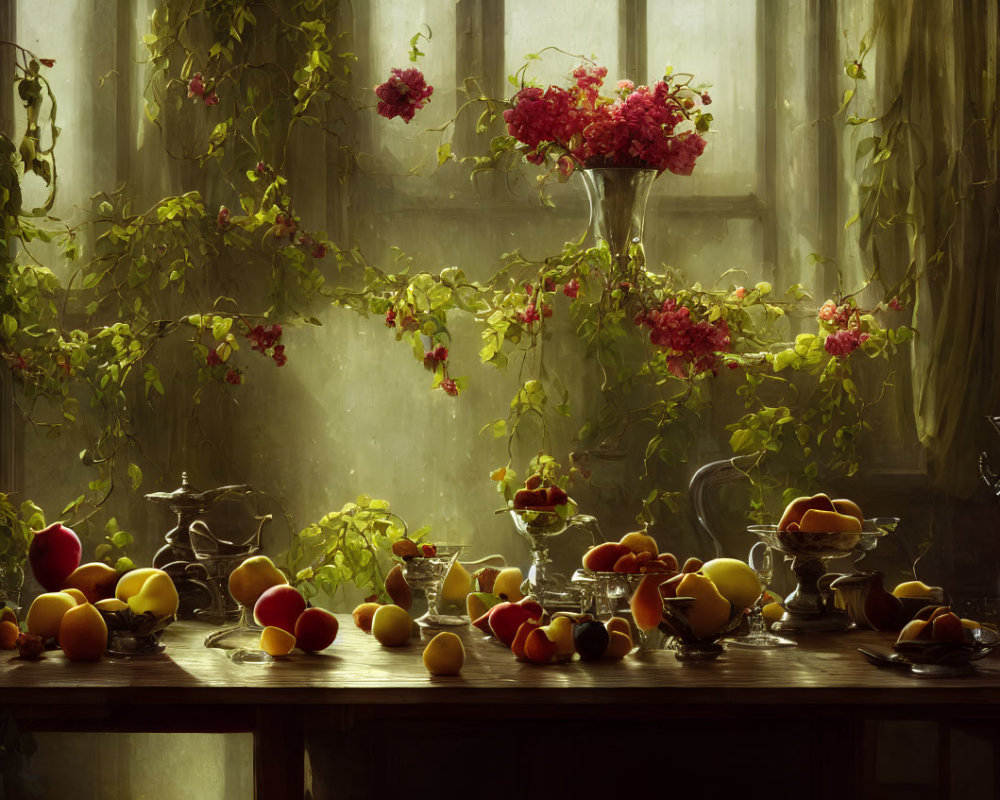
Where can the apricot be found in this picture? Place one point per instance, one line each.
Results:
(315, 629)
(77, 595)
(53, 554)
(915, 629)
(392, 626)
(444, 654)
(507, 585)
(7, 614)
(8, 635)
(279, 607)
(669, 560)
(363, 614)
(849, 507)
(947, 627)
(405, 548)
(693, 564)
(640, 542)
(96, 580)
(83, 634)
(619, 624)
(46, 612)
(276, 641)
(521, 637)
(646, 602)
(619, 645)
(539, 648)
(627, 563)
(800, 505)
(819, 521)
(251, 578)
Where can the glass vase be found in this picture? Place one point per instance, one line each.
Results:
(618, 198)
(11, 584)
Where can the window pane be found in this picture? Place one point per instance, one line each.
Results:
(586, 28)
(718, 45)
(393, 25)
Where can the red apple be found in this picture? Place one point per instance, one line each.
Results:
(279, 607)
(53, 554)
(315, 629)
(506, 618)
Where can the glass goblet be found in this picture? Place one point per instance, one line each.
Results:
(761, 561)
(428, 573)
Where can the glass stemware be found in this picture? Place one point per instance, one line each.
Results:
(761, 561)
(428, 573)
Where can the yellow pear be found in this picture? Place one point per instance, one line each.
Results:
(46, 612)
(131, 582)
(158, 596)
(508, 584)
(251, 578)
(457, 585)
(735, 580)
(710, 611)
(444, 654)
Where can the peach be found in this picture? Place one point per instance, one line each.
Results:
(405, 548)
(363, 614)
(251, 578)
(796, 508)
(8, 635)
(444, 654)
(619, 624)
(505, 618)
(131, 582)
(602, 557)
(315, 629)
(279, 607)
(83, 634)
(646, 602)
(7, 614)
(398, 589)
(669, 560)
(517, 646)
(392, 626)
(539, 648)
(276, 641)
(915, 629)
(710, 611)
(46, 612)
(53, 554)
(96, 580)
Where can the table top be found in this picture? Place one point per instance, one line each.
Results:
(825, 669)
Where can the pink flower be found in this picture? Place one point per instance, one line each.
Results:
(234, 377)
(529, 315)
(47, 62)
(827, 311)
(572, 289)
(319, 250)
(390, 318)
(895, 305)
(436, 356)
(449, 386)
(705, 99)
(740, 292)
(689, 345)
(844, 342)
(279, 355)
(213, 359)
(223, 219)
(403, 94)
(211, 99)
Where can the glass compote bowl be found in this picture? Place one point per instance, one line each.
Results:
(550, 589)
(685, 644)
(807, 610)
(428, 573)
(761, 561)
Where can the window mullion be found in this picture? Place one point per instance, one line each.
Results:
(632, 33)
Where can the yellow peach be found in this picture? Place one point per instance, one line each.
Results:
(444, 654)
(46, 613)
(83, 634)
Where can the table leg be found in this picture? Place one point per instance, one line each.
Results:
(279, 753)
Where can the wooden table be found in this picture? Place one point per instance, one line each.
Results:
(363, 716)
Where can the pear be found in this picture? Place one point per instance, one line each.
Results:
(158, 596)
(457, 585)
(710, 611)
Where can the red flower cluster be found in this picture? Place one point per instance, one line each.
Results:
(637, 129)
(198, 89)
(450, 387)
(266, 339)
(844, 342)
(436, 356)
(697, 344)
(403, 94)
(572, 289)
(222, 220)
(846, 319)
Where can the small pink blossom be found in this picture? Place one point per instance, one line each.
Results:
(47, 62)
(572, 289)
(390, 318)
(319, 250)
(211, 99)
(827, 311)
(213, 359)
(895, 305)
(403, 94)
(450, 387)
(196, 86)
(529, 315)
(223, 219)
(844, 342)
(740, 292)
(234, 377)
(279, 355)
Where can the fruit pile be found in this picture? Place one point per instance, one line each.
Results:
(720, 589)
(936, 624)
(535, 496)
(636, 553)
(820, 514)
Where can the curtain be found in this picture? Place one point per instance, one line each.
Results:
(937, 79)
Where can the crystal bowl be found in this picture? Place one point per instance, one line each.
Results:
(674, 622)
(979, 643)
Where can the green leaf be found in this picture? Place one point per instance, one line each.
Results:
(135, 476)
